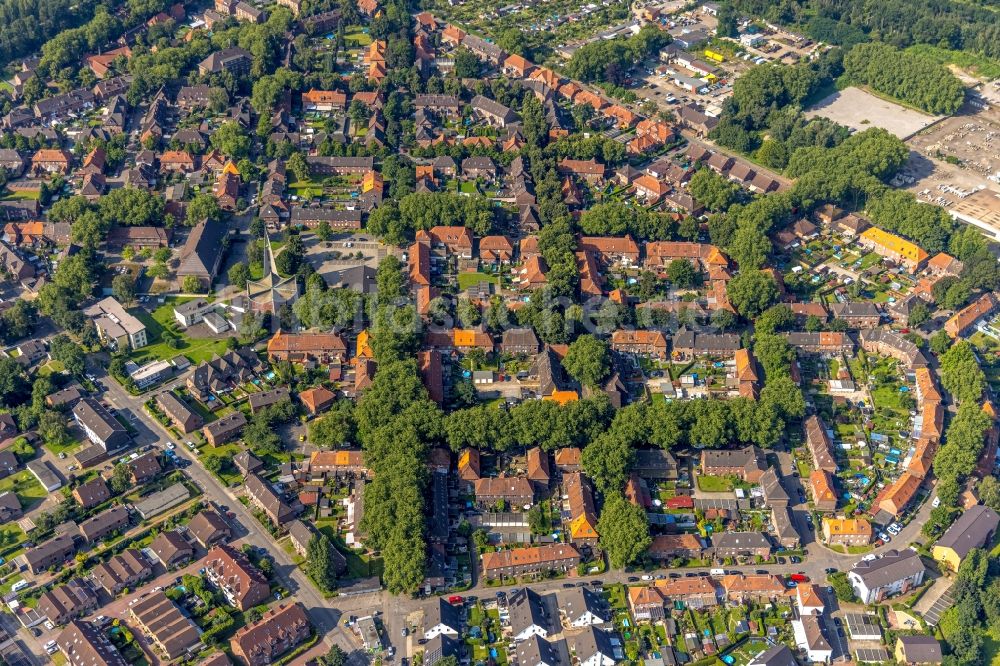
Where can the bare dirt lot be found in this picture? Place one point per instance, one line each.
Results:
(860, 110)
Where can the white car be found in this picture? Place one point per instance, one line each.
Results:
(49, 625)
(895, 529)
(936, 503)
(647, 577)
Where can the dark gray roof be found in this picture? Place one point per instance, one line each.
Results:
(889, 568)
(592, 641)
(971, 530)
(443, 613)
(747, 540)
(203, 249)
(921, 649)
(779, 655)
(537, 651)
(526, 609)
(578, 600)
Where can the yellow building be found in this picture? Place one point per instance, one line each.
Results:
(894, 248)
(975, 528)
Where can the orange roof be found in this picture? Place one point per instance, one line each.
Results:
(848, 526)
(339, 458)
(941, 261)
(362, 347)
(809, 596)
(546, 76)
(648, 183)
(562, 397)
(453, 33)
(678, 588)
(638, 337)
(926, 387)
(176, 157)
(822, 487)
(922, 461)
(517, 62)
(609, 244)
(305, 342)
(746, 369)
(587, 97)
(471, 337)
(967, 316)
(642, 595)
(624, 117)
(568, 456)
(897, 497)
(753, 584)
(517, 557)
(314, 397)
(332, 97)
(51, 155)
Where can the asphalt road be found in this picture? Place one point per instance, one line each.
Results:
(323, 614)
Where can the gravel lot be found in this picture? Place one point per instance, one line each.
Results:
(860, 110)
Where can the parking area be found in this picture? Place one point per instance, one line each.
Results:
(859, 110)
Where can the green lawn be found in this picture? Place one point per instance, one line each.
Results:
(714, 484)
(466, 280)
(23, 195)
(991, 647)
(163, 319)
(68, 448)
(357, 38)
(27, 488)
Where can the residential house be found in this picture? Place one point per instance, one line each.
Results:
(894, 248)
(965, 319)
(528, 614)
(440, 618)
(99, 425)
(279, 630)
(172, 632)
(808, 633)
(582, 508)
(519, 341)
(209, 529)
(171, 549)
(530, 560)
(49, 553)
(317, 400)
(741, 544)
(513, 491)
(857, 314)
(747, 463)
(91, 493)
(824, 496)
(891, 574)
(264, 497)
(125, 570)
(757, 587)
(593, 647)
(84, 644)
(105, 523)
(225, 429)
(67, 602)
(975, 528)
(243, 585)
(652, 344)
(918, 650)
(115, 326)
(820, 445)
(235, 60)
(180, 414)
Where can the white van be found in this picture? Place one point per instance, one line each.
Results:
(19, 585)
(717, 572)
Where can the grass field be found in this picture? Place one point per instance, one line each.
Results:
(68, 448)
(357, 37)
(714, 484)
(466, 280)
(27, 488)
(163, 319)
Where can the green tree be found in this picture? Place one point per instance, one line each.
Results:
(69, 353)
(191, 285)
(202, 207)
(323, 231)
(123, 288)
(842, 587)
(121, 479)
(320, 563)
(683, 274)
(588, 360)
(231, 140)
(239, 275)
(961, 375)
(624, 531)
(751, 292)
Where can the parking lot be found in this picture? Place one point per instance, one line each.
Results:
(859, 110)
(956, 156)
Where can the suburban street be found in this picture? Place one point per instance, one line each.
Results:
(329, 615)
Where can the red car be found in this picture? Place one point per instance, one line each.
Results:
(800, 578)
(455, 599)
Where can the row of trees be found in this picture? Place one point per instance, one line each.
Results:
(397, 222)
(609, 60)
(906, 76)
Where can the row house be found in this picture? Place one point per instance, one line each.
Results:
(324, 100)
(338, 463)
(690, 344)
(264, 497)
(894, 248)
(857, 314)
(893, 573)
(611, 249)
(670, 546)
(820, 445)
(824, 342)
(590, 170)
(847, 531)
(747, 463)
(514, 491)
(760, 588)
(243, 585)
(531, 560)
(278, 631)
(647, 343)
(582, 509)
(966, 319)
(885, 342)
(299, 348)
(492, 112)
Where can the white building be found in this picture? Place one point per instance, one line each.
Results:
(809, 637)
(115, 326)
(893, 573)
(192, 312)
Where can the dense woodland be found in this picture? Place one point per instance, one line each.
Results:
(966, 26)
